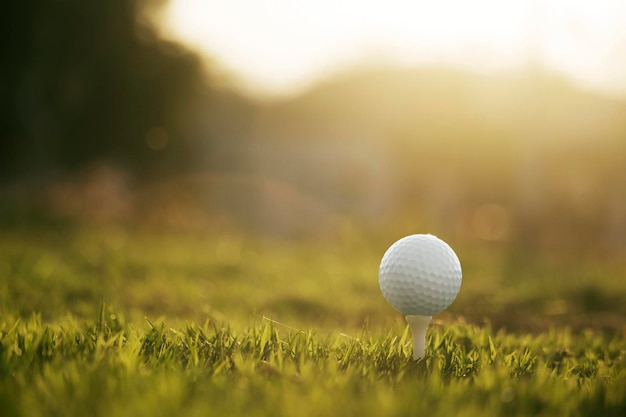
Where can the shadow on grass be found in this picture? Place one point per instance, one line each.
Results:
(578, 309)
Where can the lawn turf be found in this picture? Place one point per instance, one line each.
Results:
(112, 323)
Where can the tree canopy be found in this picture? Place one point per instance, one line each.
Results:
(85, 82)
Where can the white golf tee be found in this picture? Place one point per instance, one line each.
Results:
(418, 325)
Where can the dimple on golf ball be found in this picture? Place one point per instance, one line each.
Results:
(420, 275)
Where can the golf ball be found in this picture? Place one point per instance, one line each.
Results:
(420, 275)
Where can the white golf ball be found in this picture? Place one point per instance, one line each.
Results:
(420, 275)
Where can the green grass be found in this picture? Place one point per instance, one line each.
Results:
(105, 323)
(107, 367)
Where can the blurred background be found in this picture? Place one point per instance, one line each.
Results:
(338, 127)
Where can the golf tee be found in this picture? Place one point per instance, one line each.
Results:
(418, 325)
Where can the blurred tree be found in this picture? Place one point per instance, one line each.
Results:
(92, 81)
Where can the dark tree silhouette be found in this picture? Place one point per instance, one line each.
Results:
(86, 81)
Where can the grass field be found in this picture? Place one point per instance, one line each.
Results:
(111, 323)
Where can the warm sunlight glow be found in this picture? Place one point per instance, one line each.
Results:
(277, 45)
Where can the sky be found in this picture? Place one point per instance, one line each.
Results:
(282, 46)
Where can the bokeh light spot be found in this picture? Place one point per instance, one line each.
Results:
(157, 138)
(491, 222)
